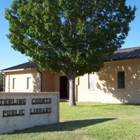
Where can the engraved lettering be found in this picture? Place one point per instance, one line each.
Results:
(40, 111)
(12, 102)
(11, 113)
(41, 101)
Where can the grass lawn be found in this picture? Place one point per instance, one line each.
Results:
(87, 121)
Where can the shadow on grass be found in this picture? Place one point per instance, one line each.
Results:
(65, 126)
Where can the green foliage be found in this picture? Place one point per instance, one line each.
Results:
(69, 36)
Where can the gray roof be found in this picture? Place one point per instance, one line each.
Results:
(27, 65)
(127, 53)
(122, 54)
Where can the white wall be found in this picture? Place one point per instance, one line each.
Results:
(21, 82)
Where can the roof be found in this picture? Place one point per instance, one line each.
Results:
(122, 54)
(27, 65)
(127, 53)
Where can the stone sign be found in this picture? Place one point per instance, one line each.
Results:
(23, 110)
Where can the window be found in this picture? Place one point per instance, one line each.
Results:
(14, 83)
(28, 82)
(91, 81)
(121, 80)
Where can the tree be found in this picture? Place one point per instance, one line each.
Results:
(69, 36)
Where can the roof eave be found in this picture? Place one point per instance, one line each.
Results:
(14, 70)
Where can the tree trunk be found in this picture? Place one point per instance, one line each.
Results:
(72, 101)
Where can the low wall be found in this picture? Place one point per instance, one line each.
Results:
(24, 110)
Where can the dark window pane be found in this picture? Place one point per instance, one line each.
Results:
(121, 80)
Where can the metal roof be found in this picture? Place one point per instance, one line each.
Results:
(127, 53)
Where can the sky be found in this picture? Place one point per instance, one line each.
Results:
(9, 57)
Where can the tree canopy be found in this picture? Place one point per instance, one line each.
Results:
(69, 36)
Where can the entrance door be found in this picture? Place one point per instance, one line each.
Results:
(64, 87)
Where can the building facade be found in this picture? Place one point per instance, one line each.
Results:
(117, 82)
